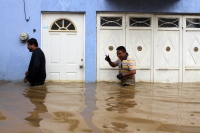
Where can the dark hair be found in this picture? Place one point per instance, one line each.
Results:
(33, 41)
(122, 48)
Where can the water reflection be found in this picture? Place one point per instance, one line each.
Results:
(121, 100)
(114, 103)
(62, 104)
(2, 117)
(148, 108)
(36, 96)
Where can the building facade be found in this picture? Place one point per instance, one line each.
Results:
(163, 36)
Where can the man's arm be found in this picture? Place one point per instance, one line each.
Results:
(26, 73)
(112, 64)
(34, 69)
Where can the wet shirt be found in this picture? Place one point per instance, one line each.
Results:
(36, 69)
(126, 65)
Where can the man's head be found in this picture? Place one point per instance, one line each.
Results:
(32, 44)
(121, 52)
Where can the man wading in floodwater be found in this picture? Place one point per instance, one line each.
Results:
(36, 73)
(126, 64)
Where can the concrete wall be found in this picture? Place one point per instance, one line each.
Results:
(14, 55)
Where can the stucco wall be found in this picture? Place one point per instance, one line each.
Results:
(14, 55)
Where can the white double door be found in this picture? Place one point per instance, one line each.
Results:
(63, 46)
(115, 30)
(176, 48)
(164, 47)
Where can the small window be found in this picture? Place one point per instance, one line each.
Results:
(193, 23)
(168, 22)
(63, 25)
(140, 22)
(111, 21)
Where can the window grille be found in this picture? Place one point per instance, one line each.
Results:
(64, 25)
(111, 21)
(140, 22)
(193, 23)
(168, 22)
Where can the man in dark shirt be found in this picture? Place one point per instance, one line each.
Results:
(36, 73)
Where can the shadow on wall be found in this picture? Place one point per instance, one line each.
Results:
(145, 5)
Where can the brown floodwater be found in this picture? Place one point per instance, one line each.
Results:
(99, 108)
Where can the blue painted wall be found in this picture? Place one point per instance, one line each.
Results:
(14, 56)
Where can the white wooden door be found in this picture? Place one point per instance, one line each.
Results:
(168, 49)
(110, 35)
(191, 49)
(63, 46)
(139, 33)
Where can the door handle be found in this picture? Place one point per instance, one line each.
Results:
(81, 66)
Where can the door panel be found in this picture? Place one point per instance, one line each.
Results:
(191, 49)
(139, 44)
(54, 49)
(63, 55)
(109, 41)
(167, 49)
(109, 37)
(63, 49)
(139, 47)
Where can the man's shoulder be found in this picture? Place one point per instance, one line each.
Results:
(117, 61)
(130, 58)
(38, 50)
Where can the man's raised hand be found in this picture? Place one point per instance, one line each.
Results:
(107, 58)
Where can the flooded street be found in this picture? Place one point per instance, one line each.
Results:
(99, 108)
